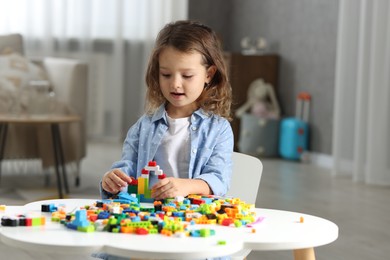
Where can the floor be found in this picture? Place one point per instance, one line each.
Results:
(362, 212)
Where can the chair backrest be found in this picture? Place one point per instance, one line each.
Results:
(246, 176)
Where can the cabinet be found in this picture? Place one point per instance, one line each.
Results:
(243, 69)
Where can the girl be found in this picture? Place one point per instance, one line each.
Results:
(186, 127)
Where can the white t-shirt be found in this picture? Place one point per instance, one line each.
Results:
(173, 154)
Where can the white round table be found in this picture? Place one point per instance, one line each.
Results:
(280, 230)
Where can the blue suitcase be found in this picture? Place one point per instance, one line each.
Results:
(294, 131)
(293, 140)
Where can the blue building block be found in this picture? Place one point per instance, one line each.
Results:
(103, 215)
(81, 218)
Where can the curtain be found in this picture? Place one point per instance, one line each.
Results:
(114, 37)
(361, 142)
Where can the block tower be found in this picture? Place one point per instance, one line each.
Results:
(150, 174)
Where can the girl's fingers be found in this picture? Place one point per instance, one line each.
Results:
(160, 184)
(120, 178)
(161, 189)
(115, 180)
(108, 186)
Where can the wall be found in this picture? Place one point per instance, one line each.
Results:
(303, 33)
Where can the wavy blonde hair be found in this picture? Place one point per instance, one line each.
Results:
(189, 36)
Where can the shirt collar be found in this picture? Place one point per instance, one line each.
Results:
(201, 113)
(162, 115)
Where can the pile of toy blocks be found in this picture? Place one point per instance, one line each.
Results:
(168, 217)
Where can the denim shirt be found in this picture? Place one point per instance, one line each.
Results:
(210, 153)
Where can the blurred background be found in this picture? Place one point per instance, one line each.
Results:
(324, 64)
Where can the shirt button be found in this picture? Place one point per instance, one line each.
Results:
(194, 150)
(193, 128)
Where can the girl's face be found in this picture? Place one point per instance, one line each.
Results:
(182, 78)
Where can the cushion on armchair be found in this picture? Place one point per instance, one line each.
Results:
(16, 73)
(11, 43)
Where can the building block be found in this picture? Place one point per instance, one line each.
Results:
(48, 208)
(81, 218)
(9, 222)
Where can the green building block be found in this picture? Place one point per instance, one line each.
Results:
(90, 228)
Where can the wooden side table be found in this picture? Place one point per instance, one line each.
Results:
(54, 121)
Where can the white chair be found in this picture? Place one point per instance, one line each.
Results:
(245, 183)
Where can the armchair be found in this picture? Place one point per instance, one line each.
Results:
(68, 79)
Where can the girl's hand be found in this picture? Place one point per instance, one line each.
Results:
(113, 181)
(169, 188)
(172, 187)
